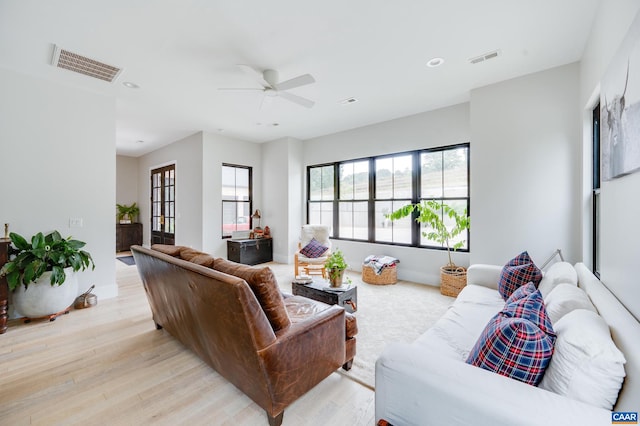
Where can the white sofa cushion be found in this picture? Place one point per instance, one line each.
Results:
(586, 364)
(558, 273)
(565, 298)
(455, 333)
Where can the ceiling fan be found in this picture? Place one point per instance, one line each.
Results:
(268, 79)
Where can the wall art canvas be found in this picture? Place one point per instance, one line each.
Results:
(620, 109)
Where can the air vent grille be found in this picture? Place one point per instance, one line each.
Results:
(484, 57)
(83, 65)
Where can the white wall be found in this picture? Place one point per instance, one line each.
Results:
(126, 180)
(219, 149)
(445, 126)
(620, 205)
(186, 154)
(283, 192)
(525, 167)
(57, 149)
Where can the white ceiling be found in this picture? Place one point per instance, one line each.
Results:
(180, 52)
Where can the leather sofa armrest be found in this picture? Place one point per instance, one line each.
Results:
(414, 386)
(314, 343)
(484, 275)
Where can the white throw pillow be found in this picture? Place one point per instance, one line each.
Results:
(586, 364)
(558, 273)
(565, 298)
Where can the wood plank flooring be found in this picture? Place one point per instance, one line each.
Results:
(109, 365)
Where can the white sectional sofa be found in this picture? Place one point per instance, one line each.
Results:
(428, 382)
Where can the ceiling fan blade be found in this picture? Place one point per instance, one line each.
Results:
(255, 74)
(240, 88)
(307, 103)
(301, 80)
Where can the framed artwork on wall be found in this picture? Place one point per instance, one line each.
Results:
(620, 109)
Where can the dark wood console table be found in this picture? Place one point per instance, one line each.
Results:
(128, 235)
(4, 287)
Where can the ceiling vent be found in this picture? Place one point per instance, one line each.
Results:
(484, 57)
(83, 65)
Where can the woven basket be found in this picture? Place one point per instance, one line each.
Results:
(387, 276)
(452, 281)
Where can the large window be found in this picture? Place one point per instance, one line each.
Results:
(444, 177)
(353, 202)
(236, 199)
(321, 194)
(354, 197)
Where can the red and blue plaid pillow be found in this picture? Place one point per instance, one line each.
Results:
(518, 271)
(313, 249)
(513, 347)
(518, 342)
(531, 308)
(522, 291)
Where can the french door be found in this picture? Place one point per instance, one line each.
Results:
(163, 205)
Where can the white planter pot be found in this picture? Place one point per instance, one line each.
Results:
(41, 299)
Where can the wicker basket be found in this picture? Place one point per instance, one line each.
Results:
(388, 275)
(452, 281)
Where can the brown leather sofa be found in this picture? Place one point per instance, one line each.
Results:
(273, 347)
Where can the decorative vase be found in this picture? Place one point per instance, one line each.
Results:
(335, 277)
(41, 299)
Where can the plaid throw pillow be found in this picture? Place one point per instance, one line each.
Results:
(518, 271)
(513, 347)
(522, 291)
(530, 307)
(518, 342)
(313, 249)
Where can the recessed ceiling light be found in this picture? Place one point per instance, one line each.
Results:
(348, 101)
(221, 130)
(275, 124)
(130, 85)
(435, 62)
(139, 141)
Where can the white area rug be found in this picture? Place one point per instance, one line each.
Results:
(386, 313)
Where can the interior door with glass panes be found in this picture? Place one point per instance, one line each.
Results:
(163, 205)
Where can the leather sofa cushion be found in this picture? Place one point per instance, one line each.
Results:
(185, 253)
(203, 259)
(167, 249)
(265, 287)
(300, 308)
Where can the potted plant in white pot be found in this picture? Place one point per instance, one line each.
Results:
(36, 271)
(335, 266)
(432, 213)
(127, 214)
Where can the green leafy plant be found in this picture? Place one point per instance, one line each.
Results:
(51, 252)
(335, 264)
(131, 211)
(336, 261)
(432, 213)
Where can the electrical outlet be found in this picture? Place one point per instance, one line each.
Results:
(75, 222)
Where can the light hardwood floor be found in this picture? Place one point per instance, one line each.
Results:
(109, 365)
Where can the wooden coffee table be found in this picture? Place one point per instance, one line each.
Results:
(319, 290)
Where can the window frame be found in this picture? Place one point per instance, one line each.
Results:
(250, 201)
(371, 202)
(595, 189)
